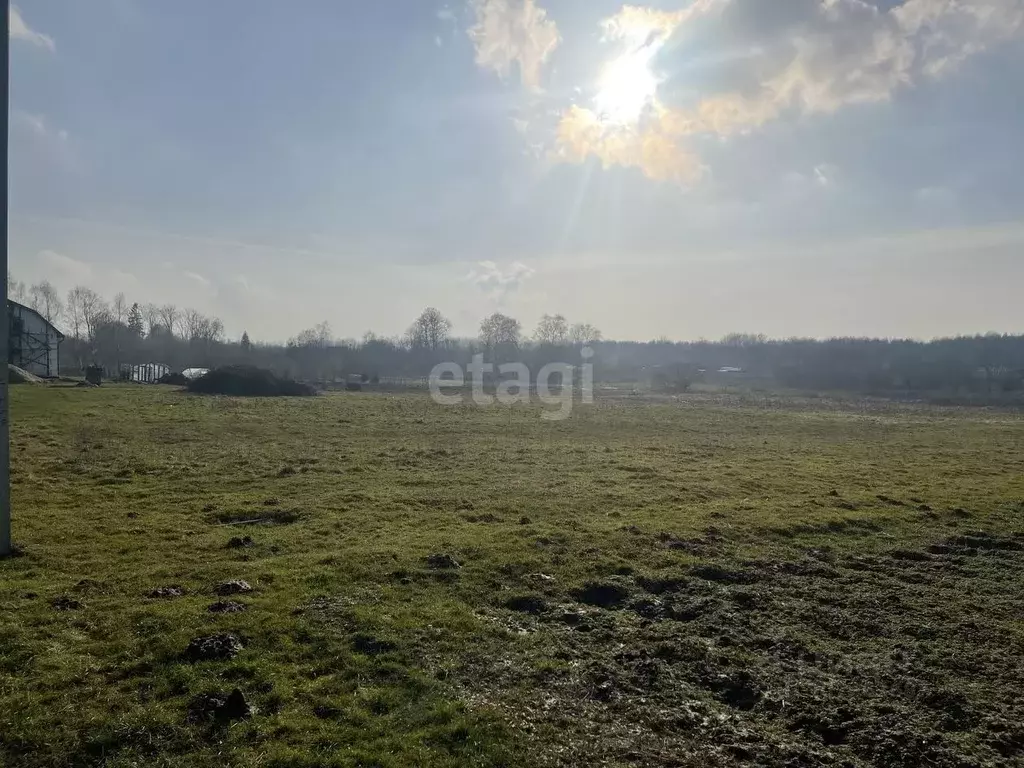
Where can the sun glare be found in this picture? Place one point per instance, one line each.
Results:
(626, 87)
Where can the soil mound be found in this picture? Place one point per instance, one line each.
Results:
(177, 379)
(248, 381)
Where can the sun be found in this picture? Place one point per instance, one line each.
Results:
(626, 87)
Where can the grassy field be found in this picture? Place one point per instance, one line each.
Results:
(703, 581)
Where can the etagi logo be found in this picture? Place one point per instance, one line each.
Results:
(555, 384)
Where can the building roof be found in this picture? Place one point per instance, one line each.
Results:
(12, 303)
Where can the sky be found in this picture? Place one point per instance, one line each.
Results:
(681, 169)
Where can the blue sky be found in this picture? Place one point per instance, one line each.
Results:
(683, 169)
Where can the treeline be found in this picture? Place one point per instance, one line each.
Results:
(990, 366)
(114, 333)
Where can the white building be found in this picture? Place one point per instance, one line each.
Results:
(33, 343)
(146, 373)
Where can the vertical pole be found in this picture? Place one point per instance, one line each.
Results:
(5, 444)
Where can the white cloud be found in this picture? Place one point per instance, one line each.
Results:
(498, 283)
(198, 279)
(21, 31)
(825, 174)
(655, 151)
(803, 57)
(842, 52)
(513, 32)
(641, 26)
(38, 149)
(66, 272)
(37, 125)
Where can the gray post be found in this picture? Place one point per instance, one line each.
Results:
(5, 438)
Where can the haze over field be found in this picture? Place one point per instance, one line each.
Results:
(807, 167)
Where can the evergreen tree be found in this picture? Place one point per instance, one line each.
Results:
(246, 344)
(135, 320)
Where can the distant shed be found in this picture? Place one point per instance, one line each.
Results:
(33, 343)
(145, 373)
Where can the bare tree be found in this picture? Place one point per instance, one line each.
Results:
(584, 333)
(46, 301)
(743, 339)
(76, 310)
(552, 329)
(192, 322)
(431, 330)
(119, 311)
(208, 329)
(500, 330)
(214, 330)
(151, 315)
(169, 318)
(310, 351)
(119, 308)
(16, 288)
(319, 336)
(95, 311)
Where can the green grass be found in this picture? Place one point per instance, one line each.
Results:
(769, 605)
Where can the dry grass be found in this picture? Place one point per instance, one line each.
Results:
(654, 583)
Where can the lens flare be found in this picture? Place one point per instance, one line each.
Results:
(626, 87)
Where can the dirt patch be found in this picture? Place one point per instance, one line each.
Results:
(442, 562)
(608, 594)
(531, 604)
(219, 707)
(911, 555)
(370, 645)
(165, 593)
(697, 546)
(227, 606)
(240, 542)
(736, 689)
(327, 712)
(89, 586)
(65, 603)
(232, 587)
(828, 660)
(660, 584)
(721, 575)
(213, 648)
